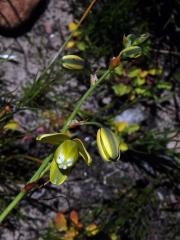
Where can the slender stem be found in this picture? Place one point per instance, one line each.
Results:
(49, 67)
(37, 174)
(12, 205)
(87, 12)
(22, 194)
(93, 123)
(41, 168)
(44, 164)
(53, 61)
(84, 97)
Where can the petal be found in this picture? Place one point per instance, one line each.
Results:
(73, 62)
(110, 142)
(101, 149)
(57, 177)
(131, 52)
(83, 152)
(52, 138)
(66, 155)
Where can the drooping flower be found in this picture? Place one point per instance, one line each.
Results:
(65, 156)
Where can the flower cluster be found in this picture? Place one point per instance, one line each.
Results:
(68, 151)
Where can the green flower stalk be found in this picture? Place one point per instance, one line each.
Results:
(108, 145)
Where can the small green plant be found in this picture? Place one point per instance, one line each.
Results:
(140, 83)
(66, 154)
(147, 175)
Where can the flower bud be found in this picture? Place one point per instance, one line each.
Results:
(131, 52)
(108, 144)
(66, 154)
(73, 62)
(114, 62)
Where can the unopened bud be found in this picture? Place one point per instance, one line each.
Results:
(73, 62)
(108, 144)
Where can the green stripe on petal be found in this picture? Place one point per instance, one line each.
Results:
(103, 153)
(131, 52)
(52, 138)
(83, 152)
(108, 144)
(73, 62)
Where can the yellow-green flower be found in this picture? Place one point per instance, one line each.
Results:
(65, 156)
(108, 144)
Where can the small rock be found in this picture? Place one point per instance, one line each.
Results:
(136, 114)
(15, 12)
(174, 143)
(48, 28)
(107, 100)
